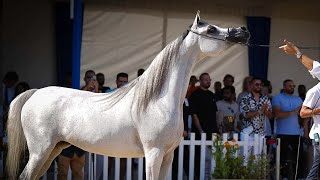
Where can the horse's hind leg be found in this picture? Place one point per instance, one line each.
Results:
(55, 152)
(154, 158)
(38, 154)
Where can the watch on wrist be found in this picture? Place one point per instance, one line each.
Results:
(299, 54)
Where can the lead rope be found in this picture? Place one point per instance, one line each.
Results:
(253, 45)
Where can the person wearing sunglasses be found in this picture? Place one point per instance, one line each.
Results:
(286, 107)
(254, 107)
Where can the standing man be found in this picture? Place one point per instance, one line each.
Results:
(311, 104)
(101, 80)
(254, 107)
(192, 85)
(9, 81)
(218, 90)
(121, 80)
(73, 156)
(228, 80)
(140, 72)
(286, 107)
(228, 111)
(203, 108)
(90, 80)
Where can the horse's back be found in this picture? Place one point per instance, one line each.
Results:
(78, 117)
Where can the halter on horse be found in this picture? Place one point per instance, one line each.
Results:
(141, 119)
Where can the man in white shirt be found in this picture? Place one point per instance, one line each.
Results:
(311, 104)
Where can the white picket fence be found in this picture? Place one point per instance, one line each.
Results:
(257, 146)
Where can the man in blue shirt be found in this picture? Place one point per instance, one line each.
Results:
(286, 107)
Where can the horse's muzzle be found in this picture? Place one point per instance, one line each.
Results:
(238, 35)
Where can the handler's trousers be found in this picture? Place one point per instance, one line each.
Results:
(76, 164)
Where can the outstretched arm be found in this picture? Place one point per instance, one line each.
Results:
(290, 48)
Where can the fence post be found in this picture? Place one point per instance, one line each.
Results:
(245, 146)
(94, 166)
(213, 162)
(236, 137)
(191, 157)
(90, 175)
(140, 169)
(256, 144)
(203, 155)
(117, 169)
(180, 164)
(105, 167)
(278, 158)
(129, 168)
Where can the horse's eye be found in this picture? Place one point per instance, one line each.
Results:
(211, 29)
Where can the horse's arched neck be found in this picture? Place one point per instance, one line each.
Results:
(181, 72)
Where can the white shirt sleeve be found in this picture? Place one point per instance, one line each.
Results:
(312, 98)
(315, 71)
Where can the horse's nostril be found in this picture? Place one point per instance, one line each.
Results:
(244, 28)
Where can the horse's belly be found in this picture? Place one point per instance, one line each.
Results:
(116, 141)
(116, 150)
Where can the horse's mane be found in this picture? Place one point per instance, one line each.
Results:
(149, 85)
(152, 82)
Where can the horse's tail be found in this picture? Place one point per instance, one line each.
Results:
(16, 139)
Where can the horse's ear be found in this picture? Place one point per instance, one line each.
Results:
(196, 20)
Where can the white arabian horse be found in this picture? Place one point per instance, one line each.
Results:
(141, 119)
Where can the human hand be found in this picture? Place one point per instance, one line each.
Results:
(264, 107)
(185, 133)
(297, 110)
(289, 48)
(92, 85)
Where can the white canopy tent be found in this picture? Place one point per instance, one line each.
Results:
(117, 40)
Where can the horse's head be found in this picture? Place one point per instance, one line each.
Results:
(213, 39)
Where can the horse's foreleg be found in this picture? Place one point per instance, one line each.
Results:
(154, 159)
(55, 152)
(166, 165)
